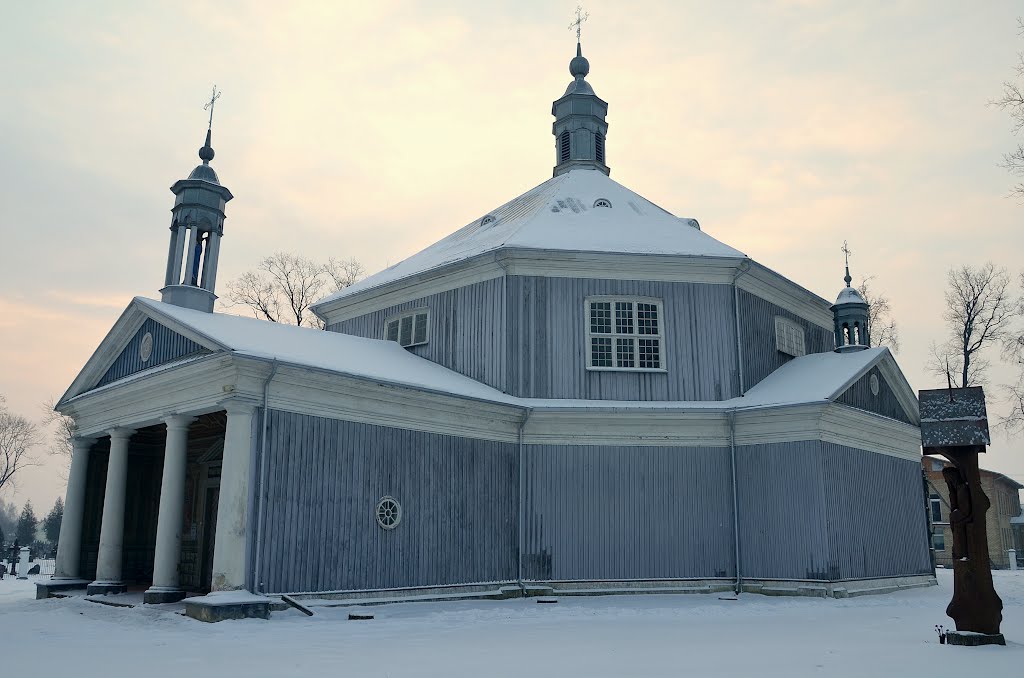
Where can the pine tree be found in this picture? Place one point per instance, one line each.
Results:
(51, 524)
(27, 523)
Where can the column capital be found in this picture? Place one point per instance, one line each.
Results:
(120, 433)
(81, 443)
(239, 405)
(178, 421)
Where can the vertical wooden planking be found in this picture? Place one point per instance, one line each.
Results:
(466, 331)
(757, 329)
(608, 512)
(859, 395)
(459, 524)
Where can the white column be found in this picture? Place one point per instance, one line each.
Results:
(165, 586)
(190, 255)
(108, 564)
(179, 248)
(229, 552)
(69, 544)
(210, 261)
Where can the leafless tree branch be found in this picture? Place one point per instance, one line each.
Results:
(17, 437)
(285, 285)
(979, 313)
(881, 326)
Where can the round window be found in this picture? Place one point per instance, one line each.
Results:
(874, 384)
(389, 513)
(146, 347)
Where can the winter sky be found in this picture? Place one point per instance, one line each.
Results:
(371, 129)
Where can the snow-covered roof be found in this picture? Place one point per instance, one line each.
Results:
(560, 214)
(849, 295)
(373, 359)
(815, 378)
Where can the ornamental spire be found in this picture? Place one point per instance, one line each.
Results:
(580, 127)
(206, 152)
(847, 252)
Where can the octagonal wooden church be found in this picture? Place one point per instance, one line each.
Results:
(577, 391)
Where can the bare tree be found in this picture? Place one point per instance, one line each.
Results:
(1012, 101)
(881, 326)
(1014, 353)
(285, 285)
(17, 437)
(62, 432)
(979, 311)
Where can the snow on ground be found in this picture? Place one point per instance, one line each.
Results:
(643, 635)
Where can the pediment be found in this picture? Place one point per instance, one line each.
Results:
(882, 389)
(138, 342)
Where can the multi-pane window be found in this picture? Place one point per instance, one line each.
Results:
(624, 334)
(408, 330)
(789, 337)
(939, 539)
(935, 504)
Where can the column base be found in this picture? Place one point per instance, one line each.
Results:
(973, 639)
(46, 589)
(155, 595)
(105, 588)
(222, 605)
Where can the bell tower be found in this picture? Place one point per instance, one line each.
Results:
(580, 128)
(197, 225)
(850, 315)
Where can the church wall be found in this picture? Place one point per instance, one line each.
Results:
(859, 395)
(324, 479)
(876, 513)
(167, 346)
(613, 513)
(466, 329)
(821, 511)
(761, 357)
(548, 348)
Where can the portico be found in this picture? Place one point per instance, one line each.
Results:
(146, 510)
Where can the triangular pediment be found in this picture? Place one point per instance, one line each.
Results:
(882, 389)
(138, 342)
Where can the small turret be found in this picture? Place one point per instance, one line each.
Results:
(197, 224)
(580, 128)
(850, 314)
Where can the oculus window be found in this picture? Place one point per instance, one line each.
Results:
(789, 337)
(625, 333)
(409, 329)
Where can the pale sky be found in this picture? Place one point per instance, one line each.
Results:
(372, 129)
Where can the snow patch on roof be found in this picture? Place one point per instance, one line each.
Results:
(559, 214)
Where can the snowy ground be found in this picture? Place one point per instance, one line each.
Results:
(646, 635)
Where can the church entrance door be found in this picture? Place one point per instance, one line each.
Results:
(209, 533)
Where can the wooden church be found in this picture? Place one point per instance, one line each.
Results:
(576, 392)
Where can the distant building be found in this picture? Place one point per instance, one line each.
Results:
(1004, 519)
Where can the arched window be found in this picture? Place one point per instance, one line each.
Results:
(602, 202)
(856, 334)
(846, 334)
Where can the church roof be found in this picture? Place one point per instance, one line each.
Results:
(561, 214)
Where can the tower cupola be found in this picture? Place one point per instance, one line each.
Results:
(850, 315)
(580, 128)
(197, 225)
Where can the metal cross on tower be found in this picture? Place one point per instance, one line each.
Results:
(847, 252)
(211, 103)
(581, 16)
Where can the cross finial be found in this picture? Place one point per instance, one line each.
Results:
(845, 249)
(581, 16)
(211, 103)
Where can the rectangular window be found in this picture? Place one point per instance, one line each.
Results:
(409, 329)
(936, 508)
(624, 334)
(789, 337)
(939, 539)
(937, 465)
